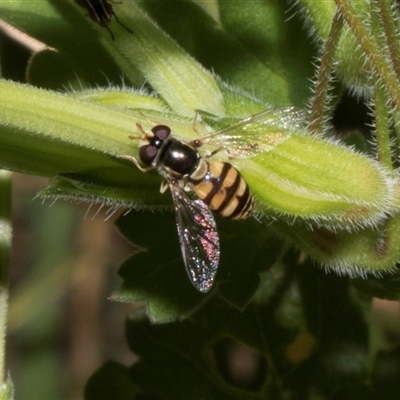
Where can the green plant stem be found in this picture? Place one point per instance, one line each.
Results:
(371, 49)
(391, 35)
(5, 246)
(324, 72)
(381, 111)
(382, 128)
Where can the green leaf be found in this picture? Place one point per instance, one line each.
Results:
(58, 134)
(368, 252)
(385, 287)
(247, 249)
(63, 26)
(179, 79)
(175, 355)
(290, 173)
(157, 274)
(174, 363)
(111, 381)
(385, 384)
(252, 44)
(62, 135)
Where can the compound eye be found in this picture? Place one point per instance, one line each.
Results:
(147, 154)
(161, 131)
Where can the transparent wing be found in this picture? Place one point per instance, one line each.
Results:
(198, 238)
(257, 134)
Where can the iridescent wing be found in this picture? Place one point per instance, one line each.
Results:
(256, 134)
(198, 238)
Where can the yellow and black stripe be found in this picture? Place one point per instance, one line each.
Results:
(225, 191)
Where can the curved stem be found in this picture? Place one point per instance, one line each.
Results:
(371, 50)
(324, 72)
(381, 112)
(392, 37)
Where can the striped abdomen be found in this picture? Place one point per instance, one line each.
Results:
(225, 191)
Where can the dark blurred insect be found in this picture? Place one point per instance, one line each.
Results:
(101, 11)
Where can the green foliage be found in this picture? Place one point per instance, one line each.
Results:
(199, 67)
(158, 276)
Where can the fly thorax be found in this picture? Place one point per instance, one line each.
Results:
(179, 158)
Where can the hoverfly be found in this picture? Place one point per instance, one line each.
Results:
(217, 185)
(101, 11)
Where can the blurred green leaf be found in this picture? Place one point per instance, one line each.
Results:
(111, 381)
(6, 386)
(385, 287)
(7, 391)
(175, 364)
(385, 384)
(65, 29)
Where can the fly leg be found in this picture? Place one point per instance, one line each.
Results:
(136, 162)
(133, 159)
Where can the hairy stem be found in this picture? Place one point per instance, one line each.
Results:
(391, 34)
(319, 100)
(371, 49)
(381, 112)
